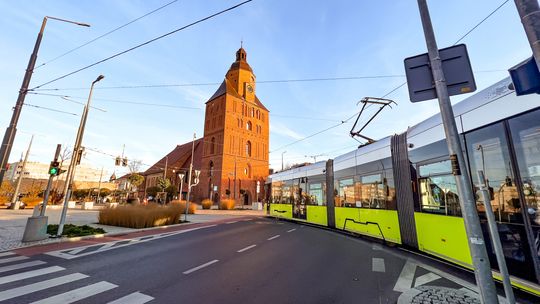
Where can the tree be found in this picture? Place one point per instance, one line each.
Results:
(134, 166)
(163, 183)
(135, 179)
(152, 191)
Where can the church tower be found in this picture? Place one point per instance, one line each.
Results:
(236, 138)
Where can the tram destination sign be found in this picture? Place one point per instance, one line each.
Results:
(457, 71)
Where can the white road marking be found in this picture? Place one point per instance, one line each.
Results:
(406, 277)
(248, 220)
(426, 278)
(231, 222)
(13, 259)
(274, 237)
(22, 265)
(19, 291)
(6, 253)
(200, 267)
(65, 253)
(75, 251)
(29, 274)
(78, 294)
(376, 246)
(133, 298)
(291, 230)
(377, 265)
(247, 248)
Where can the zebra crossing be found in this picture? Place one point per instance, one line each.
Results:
(23, 280)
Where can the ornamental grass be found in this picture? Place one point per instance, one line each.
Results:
(227, 204)
(206, 204)
(144, 216)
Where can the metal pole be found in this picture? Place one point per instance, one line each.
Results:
(234, 180)
(475, 238)
(529, 12)
(181, 186)
(49, 183)
(99, 186)
(189, 175)
(11, 131)
(495, 239)
(14, 199)
(74, 158)
(166, 163)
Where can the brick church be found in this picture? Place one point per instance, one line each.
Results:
(233, 153)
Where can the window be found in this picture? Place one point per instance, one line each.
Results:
(249, 127)
(345, 193)
(317, 193)
(258, 114)
(252, 112)
(248, 148)
(438, 190)
(371, 192)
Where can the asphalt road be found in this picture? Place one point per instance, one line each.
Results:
(256, 260)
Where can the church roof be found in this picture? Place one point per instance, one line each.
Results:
(179, 157)
(224, 88)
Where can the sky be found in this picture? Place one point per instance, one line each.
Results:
(284, 40)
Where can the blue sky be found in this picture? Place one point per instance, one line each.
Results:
(284, 40)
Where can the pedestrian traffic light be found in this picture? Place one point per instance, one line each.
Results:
(54, 168)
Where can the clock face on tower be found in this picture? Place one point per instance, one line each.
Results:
(249, 88)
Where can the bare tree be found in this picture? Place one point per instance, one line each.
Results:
(134, 166)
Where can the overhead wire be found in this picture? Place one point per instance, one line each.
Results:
(144, 43)
(105, 34)
(49, 109)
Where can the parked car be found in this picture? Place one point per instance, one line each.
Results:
(10, 206)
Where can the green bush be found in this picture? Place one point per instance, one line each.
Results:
(71, 230)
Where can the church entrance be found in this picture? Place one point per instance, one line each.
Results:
(247, 197)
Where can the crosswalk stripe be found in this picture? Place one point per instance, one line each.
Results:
(13, 259)
(6, 253)
(78, 294)
(19, 291)
(133, 298)
(21, 265)
(29, 274)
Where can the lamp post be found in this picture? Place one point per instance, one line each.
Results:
(197, 172)
(282, 159)
(75, 157)
(181, 177)
(11, 131)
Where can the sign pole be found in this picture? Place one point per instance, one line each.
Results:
(480, 259)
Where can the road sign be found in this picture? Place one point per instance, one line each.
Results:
(215, 188)
(258, 187)
(457, 71)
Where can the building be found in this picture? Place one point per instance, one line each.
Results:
(36, 170)
(233, 153)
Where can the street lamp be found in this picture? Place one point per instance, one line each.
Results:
(189, 174)
(282, 159)
(9, 136)
(190, 185)
(181, 177)
(75, 157)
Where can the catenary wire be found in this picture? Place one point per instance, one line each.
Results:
(106, 34)
(145, 43)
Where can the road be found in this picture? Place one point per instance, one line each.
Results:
(244, 260)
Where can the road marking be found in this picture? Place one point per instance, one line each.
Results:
(29, 274)
(377, 265)
(78, 294)
(247, 220)
(13, 259)
(6, 253)
(406, 277)
(22, 265)
(133, 298)
(291, 230)
(19, 291)
(426, 278)
(274, 237)
(200, 267)
(66, 253)
(376, 246)
(231, 222)
(247, 248)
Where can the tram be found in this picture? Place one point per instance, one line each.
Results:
(400, 189)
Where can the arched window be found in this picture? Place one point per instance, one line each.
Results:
(247, 171)
(213, 145)
(248, 148)
(252, 112)
(258, 114)
(249, 127)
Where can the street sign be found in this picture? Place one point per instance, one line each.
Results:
(258, 187)
(457, 71)
(215, 188)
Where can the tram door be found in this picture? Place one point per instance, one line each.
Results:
(490, 149)
(299, 198)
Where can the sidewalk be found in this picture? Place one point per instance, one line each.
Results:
(13, 223)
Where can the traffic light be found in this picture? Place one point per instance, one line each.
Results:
(124, 162)
(80, 155)
(117, 161)
(54, 168)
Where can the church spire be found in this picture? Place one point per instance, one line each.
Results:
(241, 54)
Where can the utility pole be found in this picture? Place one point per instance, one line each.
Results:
(74, 157)
(529, 12)
(11, 131)
(99, 186)
(480, 259)
(14, 199)
(49, 183)
(190, 174)
(282, 159)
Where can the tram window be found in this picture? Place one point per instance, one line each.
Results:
(287, 195)
(316, 194)
(438, 190)
(371, 192)
(277, 192)
(525, 132)
(346, 193)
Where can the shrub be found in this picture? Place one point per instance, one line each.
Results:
(141, 216)
(31, 201)
(182, 204)
(206, 204)
(226, 204)
(71, 230)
